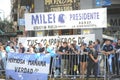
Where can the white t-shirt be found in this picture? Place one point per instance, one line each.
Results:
(12, 50)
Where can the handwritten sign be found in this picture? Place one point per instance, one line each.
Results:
(27, 66)
(52, 40)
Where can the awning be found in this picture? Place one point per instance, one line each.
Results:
(107, 37)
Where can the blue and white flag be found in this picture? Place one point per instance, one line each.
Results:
(107, 2)
(98, 2)
(103, 2)
(27, 66)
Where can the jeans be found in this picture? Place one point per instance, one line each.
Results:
(99, 62)
(4, 62)
(110, 63)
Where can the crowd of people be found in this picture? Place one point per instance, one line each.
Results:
(73, 59)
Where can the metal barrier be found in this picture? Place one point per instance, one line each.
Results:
(71, 66)
(2, 68)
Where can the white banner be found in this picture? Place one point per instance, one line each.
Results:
(52, 40)
(90, 18)
(27, 66)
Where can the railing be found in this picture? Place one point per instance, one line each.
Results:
(70, 66)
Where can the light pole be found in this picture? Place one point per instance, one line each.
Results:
(2, 14)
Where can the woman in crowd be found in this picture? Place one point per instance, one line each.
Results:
(1, 43)
(15, 47)
(21, 48)
(97, 45)
(83, 59)
(41, 48)
(73, 59)
(10, 47)
(30, 49)
(2, 57)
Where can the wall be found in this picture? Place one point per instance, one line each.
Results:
(89, 4)
(115, 1)
(39, 7)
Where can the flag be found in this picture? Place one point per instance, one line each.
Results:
(98, 2)
(107, 2)
(103, 2)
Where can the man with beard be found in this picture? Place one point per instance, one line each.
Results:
(92, 62)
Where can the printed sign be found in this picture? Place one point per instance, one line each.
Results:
(27, 66)
(114, 22)
(52, 40)
(91, 18)
(61, 5)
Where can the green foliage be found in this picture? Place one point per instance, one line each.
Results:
(19, 32)
(5, 25)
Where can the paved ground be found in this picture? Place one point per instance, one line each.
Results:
(116, 79)
(78, 79)
(113, 78)
(82, 79)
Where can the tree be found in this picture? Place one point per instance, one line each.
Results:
(6, 26)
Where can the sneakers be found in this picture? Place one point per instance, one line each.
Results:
(88, 79)
(73, 77)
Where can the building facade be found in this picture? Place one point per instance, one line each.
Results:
(19, 8)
